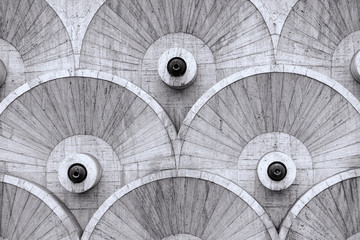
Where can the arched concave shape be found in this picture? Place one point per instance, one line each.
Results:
(14, 69)
(35, 119)
(328, 211)
(180, 202)
(319, 114)
(345, 63)
(314, 29)
(313, 112)
(235, 31)
(121, 32)
(127, 38)
(29, 211)
(39, 35)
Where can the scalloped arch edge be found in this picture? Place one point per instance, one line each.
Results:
(58, 207)
(227, 184)
(311, 194)
(260, 70)
(154, 105)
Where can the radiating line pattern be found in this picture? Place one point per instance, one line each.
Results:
(28, 211)
(34, 123)
(314, 29)
(180, 205)
(314, 113)
(341, 62)
(235, 112)
(332, 214)
(36, 31)
(122, 31)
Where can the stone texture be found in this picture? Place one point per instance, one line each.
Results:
(273, 75)
(177, 205)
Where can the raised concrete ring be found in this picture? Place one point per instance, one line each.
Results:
(272, 163)
(177, 68)
(79, 172)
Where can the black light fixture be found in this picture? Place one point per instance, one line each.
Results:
(176, 67)
(277, 171)
(77, 173)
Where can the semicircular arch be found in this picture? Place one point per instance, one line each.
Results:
(218, 24)
(36, 117)
(38, 34)
(277, 103)
(313, 31)
(159, 185)
(31, 211)
(330, 209)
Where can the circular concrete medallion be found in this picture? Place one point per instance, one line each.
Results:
(79, 172)
(355, 66)
(276, 171)
(3, 73)
(177, 68)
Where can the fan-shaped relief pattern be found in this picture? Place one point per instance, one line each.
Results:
(37, 32)
(313, 31)
(321, 118)
(169, 203)
(265, 107)
(342, 59)
(14, 67)
(30, 212)
(330, 211)
(122, 31)
(127, 38)
(35, 122)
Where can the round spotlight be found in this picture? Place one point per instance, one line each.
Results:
(176, 67)
(77, 173)
(277, 171)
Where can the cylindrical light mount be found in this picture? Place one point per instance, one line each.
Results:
(79, 172)
(177, 68)
(276, 170)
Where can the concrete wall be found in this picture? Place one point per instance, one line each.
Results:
(273, 79)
